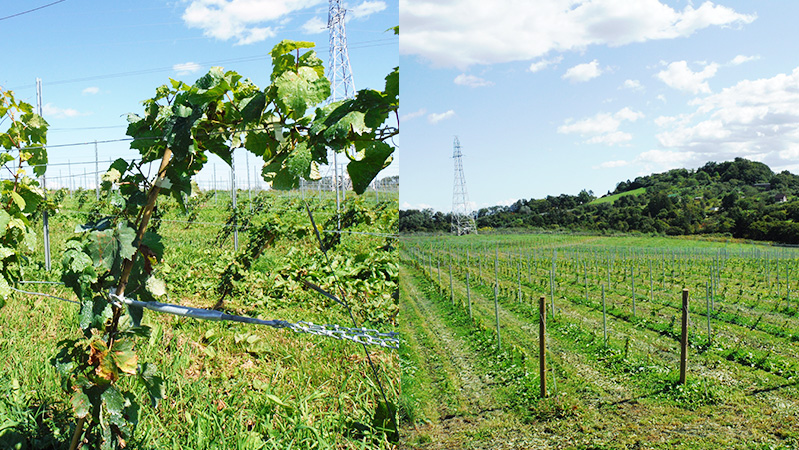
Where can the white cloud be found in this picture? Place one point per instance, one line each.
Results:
(602, 128)
(740, 59)
(756, 119)
(186, 68)
(507, 202)
(544, 63)
(600, 123)
(612, 164)
(467, 32)
(633, 85)
(471, 81)
(91, 90)
(628, 114)
(256, 34)
(413, 115)
(241, 20)
(366, 9)
(790, 153)
(314, 25)
(612, 138)
(678, 76)
(438, 117)
(50, 110)
(583, 72)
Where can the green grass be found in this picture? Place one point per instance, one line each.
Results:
(612, 198)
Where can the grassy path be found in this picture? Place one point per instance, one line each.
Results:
(449, 393)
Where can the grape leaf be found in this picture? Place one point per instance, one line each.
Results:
(252, 107)
(124, 357)
(261, 143)
(377, 155)
(125, 235)
(81, 404)
(148, 374)
(4, 219)
(286, 46)
(5, 252)
(18, 200)
(101, 248)
(298, 91)
(392, 85)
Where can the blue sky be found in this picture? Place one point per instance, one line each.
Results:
(99, 60)
(556, 96)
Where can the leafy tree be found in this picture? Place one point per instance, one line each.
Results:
(659, 202)
(729, 200)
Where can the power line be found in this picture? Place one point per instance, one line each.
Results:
(31, 10)
(50, 130)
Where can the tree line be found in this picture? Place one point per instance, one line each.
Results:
(740, 198)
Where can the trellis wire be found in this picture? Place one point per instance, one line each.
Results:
(360, 335)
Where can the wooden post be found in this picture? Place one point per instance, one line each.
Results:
(684, 336)
(542, 345)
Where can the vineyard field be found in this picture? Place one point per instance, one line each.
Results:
(470, 321)
(226, 385)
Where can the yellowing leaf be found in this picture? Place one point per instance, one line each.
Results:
(126, 361)
(18, 200)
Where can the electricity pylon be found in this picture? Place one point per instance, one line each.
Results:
(339, 73)
(462, 219)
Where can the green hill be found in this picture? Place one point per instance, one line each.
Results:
(740, 198)
(613, 197)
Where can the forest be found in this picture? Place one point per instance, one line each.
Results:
(741, 198)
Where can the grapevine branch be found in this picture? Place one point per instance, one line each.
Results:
(142, 227)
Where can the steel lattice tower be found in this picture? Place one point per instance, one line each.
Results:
(462, 219)
(339, 71)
